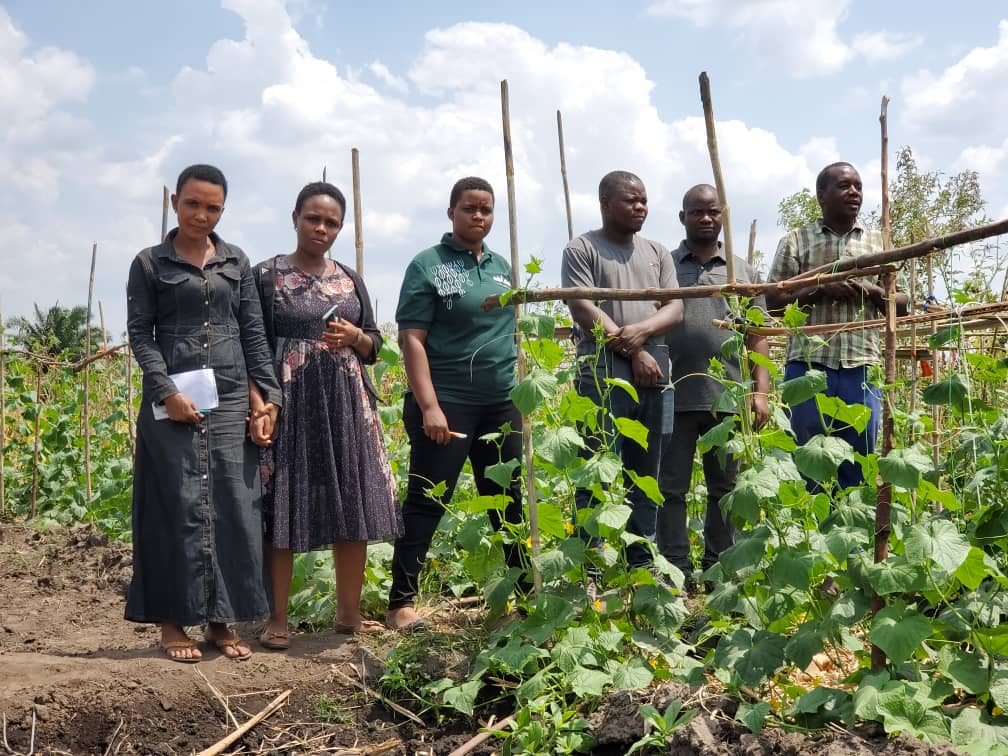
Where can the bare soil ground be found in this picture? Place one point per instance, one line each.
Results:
(76, 678)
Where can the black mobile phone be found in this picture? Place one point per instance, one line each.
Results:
(331, 314)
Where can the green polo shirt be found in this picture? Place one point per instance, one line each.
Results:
(471, 353)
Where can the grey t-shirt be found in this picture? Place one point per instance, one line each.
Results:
(696, 340)
(591, 261)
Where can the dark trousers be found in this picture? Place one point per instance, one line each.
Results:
(852, 386)
(675, 478)
(431, 463)
(634, 457)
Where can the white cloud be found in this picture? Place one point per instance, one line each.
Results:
(271, 112)
(381, 72)
(800, 36)
(967, 97)
(882, 46)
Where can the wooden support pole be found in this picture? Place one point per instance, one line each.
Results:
(87, 377)
(3, 417)
(751, 251)
(530, 484)
(358, 212)
(712, 148)
(563, 176)
(164, 213)
(883, 502)
(38, 429)
(883, 505)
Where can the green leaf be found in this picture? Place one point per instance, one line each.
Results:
(536, 387)
(804, 644)
(975, 568)
(463, 697)
(790, 569)
(896, 575)
(993, 640)
(952, 391)
(762, 659)
(502, 473)
(614, 516)
(648, 485)
(625, 385)
(633, 674)
(936, 540)
(803, 388)
(602, 468)
(747, 552)
(753, 486)
(552, 520)
(765, 362)
(909, 715)
(716, 436)
(975, 733)
(899, 631)
(632, 429)
(753, 715)
(854, 415)
(944, 336)
(965, 668)
(794, 316)
(999, 687)
(560, 446)
(904, 467)
(588, 682)
(578, 409)
(850, 608)
(545, 352)
(820, 457)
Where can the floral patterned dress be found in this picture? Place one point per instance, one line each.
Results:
(326, 478)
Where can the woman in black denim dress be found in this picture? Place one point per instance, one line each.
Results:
(197, 534)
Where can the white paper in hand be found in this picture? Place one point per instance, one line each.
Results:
(199, 385)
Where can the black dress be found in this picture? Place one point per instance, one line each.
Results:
(197, 530)
(326, 478)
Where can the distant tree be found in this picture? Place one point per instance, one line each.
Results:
(57, 332)
(797, 209)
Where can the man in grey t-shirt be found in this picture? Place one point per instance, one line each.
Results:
(700, 261)
(615, 256)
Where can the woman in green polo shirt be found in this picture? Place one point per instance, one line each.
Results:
(460, 362)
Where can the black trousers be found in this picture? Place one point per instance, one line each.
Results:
(431, 463)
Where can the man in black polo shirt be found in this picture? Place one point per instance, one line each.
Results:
(700, 261)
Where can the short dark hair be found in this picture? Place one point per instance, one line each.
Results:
(469, 183)
(823, 178)
(316, 188)
(202, 172)
(613, 179)
(696, 190)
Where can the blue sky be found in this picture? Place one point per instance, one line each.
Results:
(101, 103)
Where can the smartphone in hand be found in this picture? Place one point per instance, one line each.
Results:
(331, 314)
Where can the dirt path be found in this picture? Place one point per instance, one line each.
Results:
(90, 682)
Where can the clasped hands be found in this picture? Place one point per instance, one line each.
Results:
(262, 424)
(628, 342)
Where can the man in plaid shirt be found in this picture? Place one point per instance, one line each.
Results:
(844, 357)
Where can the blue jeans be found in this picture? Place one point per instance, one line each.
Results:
(678, 450)
(644, 512)
(852, 386)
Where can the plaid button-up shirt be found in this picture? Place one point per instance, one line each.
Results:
(809, 247)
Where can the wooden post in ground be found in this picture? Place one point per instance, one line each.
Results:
(563, 176)
(712, 148)
(164, 213)
(358, 212)
(530, 485)
(883, 504)
(751, 251)
(87, 377)
(38, 428)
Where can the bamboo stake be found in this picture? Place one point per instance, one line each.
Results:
(712, 148)
(563, 175)
(530, 483)
(751, 252)
(221, 745)
(101, 324)
(87, 377)
(473, 742)
(883, 502)
(164, 213)
(3, 418)
(357, 211)
(862, 265)
(35, 453)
